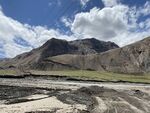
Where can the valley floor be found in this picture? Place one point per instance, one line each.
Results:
(46, 95)
(81, 75)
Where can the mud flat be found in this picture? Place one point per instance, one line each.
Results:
(43, 95)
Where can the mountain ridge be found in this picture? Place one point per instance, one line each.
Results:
(54, 47)
(58, 54)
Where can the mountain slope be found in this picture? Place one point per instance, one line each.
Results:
(134, 58)
(92, 46)
(85, 54)
(36, 59)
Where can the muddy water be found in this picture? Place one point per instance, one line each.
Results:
(42, 95)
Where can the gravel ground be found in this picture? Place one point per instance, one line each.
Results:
(42, 95)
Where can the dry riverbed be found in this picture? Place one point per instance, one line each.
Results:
(44, 95)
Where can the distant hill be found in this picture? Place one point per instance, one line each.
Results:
(37, 58)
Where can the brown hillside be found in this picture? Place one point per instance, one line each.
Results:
(37, 58)
(134, 58)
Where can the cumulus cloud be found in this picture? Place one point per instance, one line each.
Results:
(109, 3)
(118, 23)
(101, 23)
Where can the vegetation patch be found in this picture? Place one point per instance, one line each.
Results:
(7, 72)
(98, 76)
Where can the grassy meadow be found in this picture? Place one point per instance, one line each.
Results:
(87, 75)
(95, 75)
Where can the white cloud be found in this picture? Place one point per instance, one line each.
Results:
(103, 24)
(12, 49)
(66, 21)
(34, 35)
(146, 9)
(118, 23)
(84, 2)
(109, 3)
(130, 37)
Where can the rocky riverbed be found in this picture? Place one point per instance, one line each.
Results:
(43, 95)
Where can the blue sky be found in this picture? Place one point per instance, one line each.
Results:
(27, 24)
(43, 12)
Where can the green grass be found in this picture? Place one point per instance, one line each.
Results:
(88, 75)
(101, 76)
(7, 72)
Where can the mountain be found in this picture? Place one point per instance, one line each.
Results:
(88, 54)
(92, 46)
(38, 58)
(133, 59)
